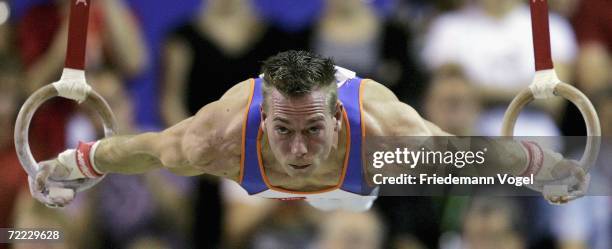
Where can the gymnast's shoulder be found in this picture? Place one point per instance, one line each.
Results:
(385, 115)
(222, 120)
(211, 139)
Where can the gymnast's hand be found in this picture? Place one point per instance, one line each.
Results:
(72, 164)
(572, 182)
(45, 188)
(560, 180)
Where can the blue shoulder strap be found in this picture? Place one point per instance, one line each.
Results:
(252, 180)
(350, 95)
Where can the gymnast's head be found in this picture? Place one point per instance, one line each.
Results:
(300, 113)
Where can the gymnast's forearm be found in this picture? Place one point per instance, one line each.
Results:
(499, 155)
(502, 155)
(133, 154)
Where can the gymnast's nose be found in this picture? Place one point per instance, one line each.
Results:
(298, 146)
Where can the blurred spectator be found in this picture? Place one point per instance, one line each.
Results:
(593, 25)
(492, 223)
(584, 223)
(289, 225)
(587, 222)
(350, 230)
(418, 14)
(492, 41)
(290, 16)
(223, 45)
(566, 8)
(351, 32)
(113, 38)
(7, 43)
(451, 102)
(411, 220)
(244, 214)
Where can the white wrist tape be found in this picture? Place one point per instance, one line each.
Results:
(544, 83)
(80, 161)
(535, 158)
(72, 85)
(68, 159)
(540, 162)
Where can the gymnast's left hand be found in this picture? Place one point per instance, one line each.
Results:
(45, 188)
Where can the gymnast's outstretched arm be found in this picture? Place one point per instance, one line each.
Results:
(207, 143)
(385, 115)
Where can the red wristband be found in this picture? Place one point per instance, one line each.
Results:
(83, 160)
(535, 158)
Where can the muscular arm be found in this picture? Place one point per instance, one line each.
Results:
(128, 154)
(135, 154)
(207, 143)
(387, 116)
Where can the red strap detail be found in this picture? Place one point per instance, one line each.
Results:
(83, 160)
(541, 34)
(76, 158)
(77, 34)
(535, 158)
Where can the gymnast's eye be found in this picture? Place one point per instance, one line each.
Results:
(314, 130)
(282, 130)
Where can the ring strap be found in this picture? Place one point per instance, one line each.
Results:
(541, 34)
(77, 34)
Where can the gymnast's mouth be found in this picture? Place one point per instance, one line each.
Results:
(299, 166)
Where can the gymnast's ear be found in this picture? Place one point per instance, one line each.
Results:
(338, 115)
(263, 118)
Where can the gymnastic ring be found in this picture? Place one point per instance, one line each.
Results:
(22, 129)
(589, 114)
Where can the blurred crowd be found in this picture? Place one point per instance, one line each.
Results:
(459, 62)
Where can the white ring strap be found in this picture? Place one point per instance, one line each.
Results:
(544, 83)
(72, 85)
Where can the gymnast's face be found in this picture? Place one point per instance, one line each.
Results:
(301, 130)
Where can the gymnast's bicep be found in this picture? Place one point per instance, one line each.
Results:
(209, 142)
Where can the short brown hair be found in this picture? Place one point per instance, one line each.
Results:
(296, 73)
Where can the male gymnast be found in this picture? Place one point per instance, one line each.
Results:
(294, 133)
